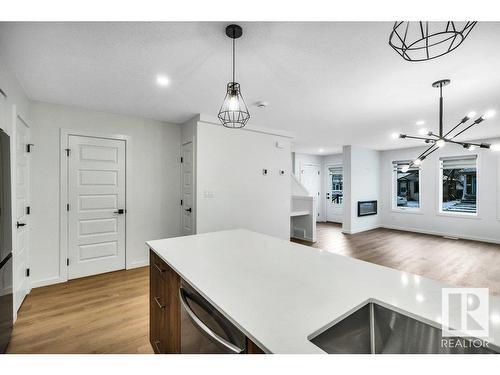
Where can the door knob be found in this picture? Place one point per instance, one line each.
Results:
(120, 211)
(18, 224)
(188, 209)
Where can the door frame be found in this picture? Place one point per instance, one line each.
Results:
(319, 214)
(325, 186)
(63, 193)
(193, 183)
(13, 188)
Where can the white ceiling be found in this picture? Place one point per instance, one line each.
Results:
(329, 83)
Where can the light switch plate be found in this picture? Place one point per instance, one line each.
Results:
(208, 194)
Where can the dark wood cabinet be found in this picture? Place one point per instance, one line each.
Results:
(165, 309)
(164, 306)
(252, 348)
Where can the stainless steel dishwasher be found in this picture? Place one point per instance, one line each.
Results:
(204, 330)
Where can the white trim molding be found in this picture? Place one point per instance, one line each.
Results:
(442, 234)
(363, 229)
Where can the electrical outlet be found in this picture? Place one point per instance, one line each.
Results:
(264, 172)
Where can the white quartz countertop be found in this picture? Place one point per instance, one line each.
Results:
(280, 293)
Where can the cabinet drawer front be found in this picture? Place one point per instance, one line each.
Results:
(157, 302)
(158, 284)
(158, 267)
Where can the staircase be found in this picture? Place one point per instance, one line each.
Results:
(467, 204)
(469, 198)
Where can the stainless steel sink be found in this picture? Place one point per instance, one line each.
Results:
(374, 329)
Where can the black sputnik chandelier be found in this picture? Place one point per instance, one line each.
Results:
(422, 41)
(439, 140)
(234, 112)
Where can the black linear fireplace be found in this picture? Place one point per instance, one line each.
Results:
(366, 208)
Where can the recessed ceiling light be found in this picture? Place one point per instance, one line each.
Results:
(162, 80)
(320, 150)
(262, 104)
(420, 122)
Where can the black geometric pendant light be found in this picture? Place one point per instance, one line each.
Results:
(234, 112)
(441, 138)
(422, 41)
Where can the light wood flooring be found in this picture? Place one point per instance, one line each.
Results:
(455, 262)
(109, 313)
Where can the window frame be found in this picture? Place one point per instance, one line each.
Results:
(465, 215)
(394, 203)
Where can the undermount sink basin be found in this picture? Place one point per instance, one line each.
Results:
(374, 329)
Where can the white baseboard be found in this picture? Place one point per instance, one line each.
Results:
(137, 264)
(46, 282)
(303, 239)
(442, 234)
(58, 280)
(359, 230)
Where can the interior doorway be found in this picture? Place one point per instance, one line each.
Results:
(334, 193)
(310, 177)
(187, 190)
(21, 210)
(94, 190)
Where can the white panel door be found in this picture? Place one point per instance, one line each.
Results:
(187, 208)
(96, 197)
(22, 176)
(310, 178)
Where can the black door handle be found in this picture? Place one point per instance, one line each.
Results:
(120, 211)
(18, 224)
(188, 209)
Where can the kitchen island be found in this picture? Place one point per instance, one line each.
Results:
(281, 294)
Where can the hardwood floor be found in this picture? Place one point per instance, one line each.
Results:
(106, 313)
(109, 313)
(455, 262)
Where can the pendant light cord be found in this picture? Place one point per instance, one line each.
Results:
(234, 40)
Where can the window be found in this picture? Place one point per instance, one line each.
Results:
(458, 191)
(406, 186)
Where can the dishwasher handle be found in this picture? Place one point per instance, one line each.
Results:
(194, 318)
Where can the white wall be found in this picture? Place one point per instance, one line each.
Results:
(17, 102)
(229, 167)
(153, 195)
(296, 187)
(302, 159)
(361, 183)
(485, 227)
